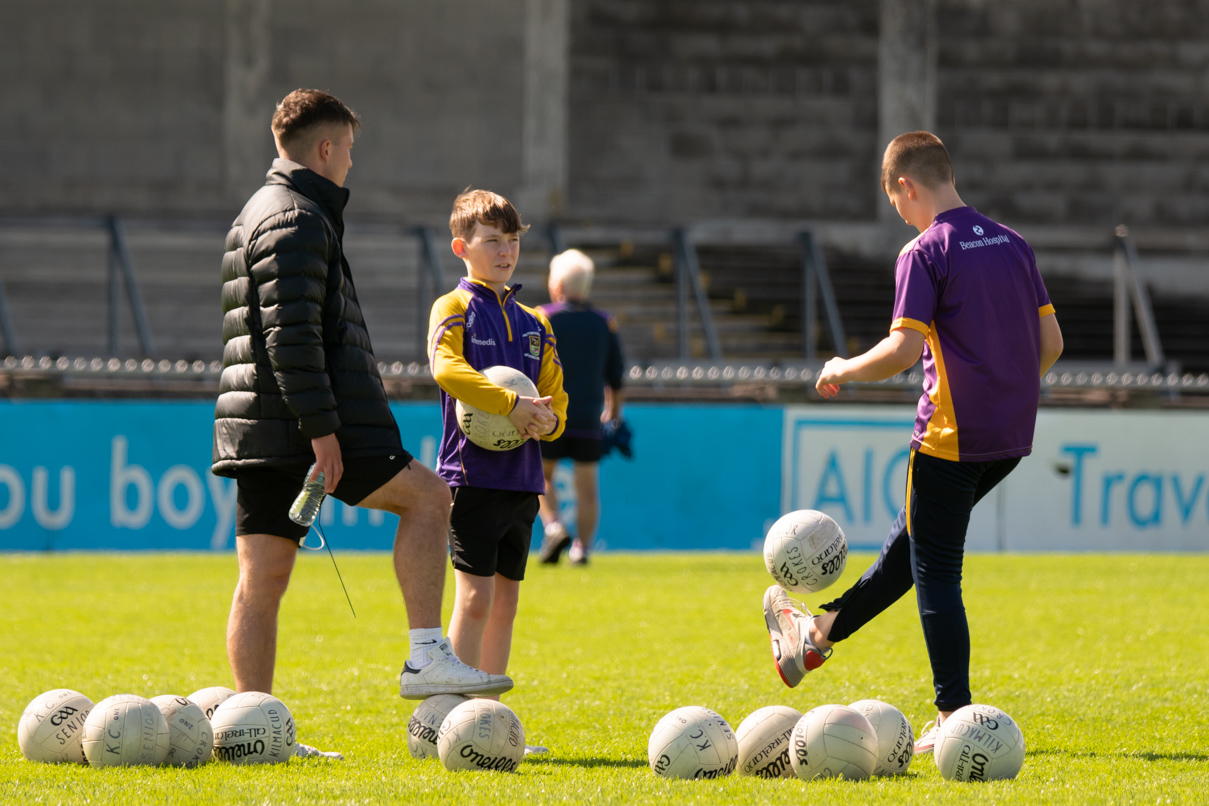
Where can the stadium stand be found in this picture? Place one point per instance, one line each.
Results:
(1062, 125)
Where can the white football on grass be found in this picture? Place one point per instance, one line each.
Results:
(52, 727)
(764, 742)
(253, 728)
(481, 735)
(895, 737)
(210, 698)
(191, 737)
(833, 741)
(692, 742)
(425, 724)
(126, 730)
(979, 743)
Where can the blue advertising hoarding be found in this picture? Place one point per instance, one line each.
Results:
(93, 475)
(119, 475)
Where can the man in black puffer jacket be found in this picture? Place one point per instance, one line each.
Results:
(300, 385)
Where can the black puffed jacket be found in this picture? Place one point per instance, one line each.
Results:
(297, 360)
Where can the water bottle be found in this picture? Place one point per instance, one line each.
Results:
(306, 505)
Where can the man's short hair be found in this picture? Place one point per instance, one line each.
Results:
(483, 207)
(574, 271)
(303, 111)
(918, 155)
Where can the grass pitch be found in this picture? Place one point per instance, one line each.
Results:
(1102, 659)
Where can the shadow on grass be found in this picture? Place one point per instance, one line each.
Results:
(543, 760)
(1123, 754)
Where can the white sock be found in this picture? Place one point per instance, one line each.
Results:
(422, 641)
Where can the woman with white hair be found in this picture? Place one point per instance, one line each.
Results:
(592, 371)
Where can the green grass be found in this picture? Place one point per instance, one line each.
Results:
(1102, 659)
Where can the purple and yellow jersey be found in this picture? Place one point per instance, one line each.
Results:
(971, 286)
(473, 328)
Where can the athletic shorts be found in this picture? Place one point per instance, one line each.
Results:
(575, 448)
(262, 504)
(490, 531)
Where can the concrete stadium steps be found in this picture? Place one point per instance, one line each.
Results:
(768, 281)
(385, 267)
(640, 292)
(1085, 311)
(56, 282)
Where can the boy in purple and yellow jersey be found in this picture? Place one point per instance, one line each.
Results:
(968, 296)
(495, 493)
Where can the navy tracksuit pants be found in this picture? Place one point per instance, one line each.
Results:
(925, 550)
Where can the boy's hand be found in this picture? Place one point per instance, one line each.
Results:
(533, 416)
(831, 376)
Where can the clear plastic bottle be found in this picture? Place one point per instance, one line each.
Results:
(306, 506)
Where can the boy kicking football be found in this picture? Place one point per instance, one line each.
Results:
(968, 296)
(495, 493)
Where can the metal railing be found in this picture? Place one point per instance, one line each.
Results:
(119, 260)
(816, 280)
(6, 324)
(1128, 285)
(688, 273)
(430, 283)
(670, 377)
(554, 237)
(120, 269)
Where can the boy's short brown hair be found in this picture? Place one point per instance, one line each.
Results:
(483, 207)
(302, 110)
(919, 155)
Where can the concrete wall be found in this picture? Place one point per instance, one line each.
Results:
(163, 108)
(1057, 111)
(724, 109)
(1078, 111)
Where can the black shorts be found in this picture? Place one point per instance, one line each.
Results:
(575, 448)
(490, 531)
(262, 504)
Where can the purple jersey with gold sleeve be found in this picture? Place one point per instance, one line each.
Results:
(472, 328)
(971, 286)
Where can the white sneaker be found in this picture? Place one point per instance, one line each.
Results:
(535, 749)
(788, 625)
(445, 674)
(306, 751)
(555, 542)
(577, 555)
(927, 738)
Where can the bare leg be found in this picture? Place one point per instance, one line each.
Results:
(587, 501)
(820, 628)
(421, 500)
(497, 639)
(471, 612)
(265, 563)
(548, 503)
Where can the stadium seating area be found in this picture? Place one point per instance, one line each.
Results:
(55, 276)
(1065, 123)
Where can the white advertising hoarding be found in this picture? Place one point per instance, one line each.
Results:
(1096, 480)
